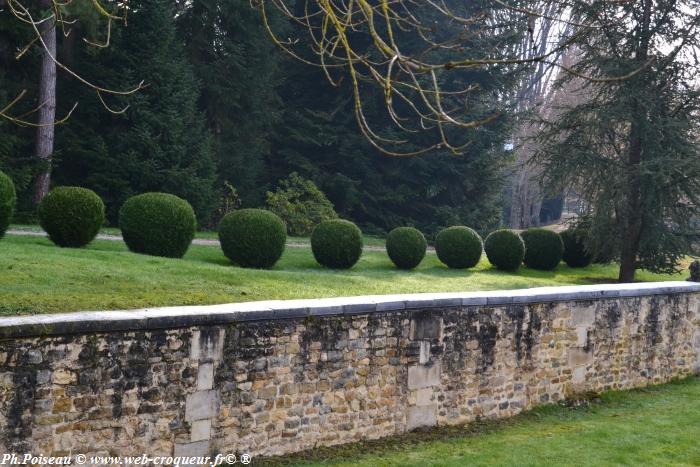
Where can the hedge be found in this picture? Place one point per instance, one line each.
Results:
(157, 224)
(336, 244)
(253, 238)
(71, 216)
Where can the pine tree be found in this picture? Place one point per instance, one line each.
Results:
(628, 146)
(161, 142)
(239, 69)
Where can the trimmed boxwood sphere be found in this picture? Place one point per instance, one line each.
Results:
(157, 224)
(8, 199)
(505, 249)
(71, 215)
(406, 247)
(458, 247)
(575, 254)
(543, 249)
(253, 238)
(336, 244)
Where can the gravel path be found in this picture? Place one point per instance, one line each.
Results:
(196, 241)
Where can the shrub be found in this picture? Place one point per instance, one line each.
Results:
(157, 224)
(458, 247)
(505, 249)
(543, 249)
(300, 204)
(8, 198)
(252, 238)
(336, 244)
(71, 215)
(575, 254)
(406, 247)
(229, 201)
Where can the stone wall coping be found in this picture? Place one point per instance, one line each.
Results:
(184, 316)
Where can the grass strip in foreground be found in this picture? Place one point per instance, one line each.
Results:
(658, 425)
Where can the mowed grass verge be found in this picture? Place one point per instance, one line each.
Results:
(38, 277)
(653, 426)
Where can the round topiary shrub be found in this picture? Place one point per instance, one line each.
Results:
(8, 198)
(458, 247)
(543, 249)
(575, 254)
(71, 215)
(336, 244)
(252, 238)
(157, 224)
(406, 247)
(505, 249)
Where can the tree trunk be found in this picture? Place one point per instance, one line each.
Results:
(632, 222)
(47, 111)
(632, 230)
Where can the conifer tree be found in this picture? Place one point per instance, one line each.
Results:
(160, 143)
(239, 70)
(628, 146)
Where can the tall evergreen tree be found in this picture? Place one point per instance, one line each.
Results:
(629, 145)
(161, 142)
(16, 142)
(239, 69)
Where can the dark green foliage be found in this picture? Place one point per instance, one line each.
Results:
(252, 238)
(319, 138)
(16, 76)
(239, 69)
(628, 148)
(222, 104)
(458, 247)
(158, 224)
(72, 216)
(406, 247)
(575, 254)
(336, 244)
(161, 143)
(300, 204)
(8, 199)
(505, 249)
(543, 249)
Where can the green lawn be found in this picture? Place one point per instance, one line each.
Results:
(648, 427)
(38, 277)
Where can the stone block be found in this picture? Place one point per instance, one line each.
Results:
(424, 376)
(426, 326)
(578, 376)
(201, 405)
(196, 449)
(391, 305)
(578, 357)
(424, 353)
(581, 336)
(421, 416)
(583, 316)
(201, 430)
(205, 376)
(424, 396)
(207, 344)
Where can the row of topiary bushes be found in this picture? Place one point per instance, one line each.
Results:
(162, 224)
(256, 238)
(460, 247)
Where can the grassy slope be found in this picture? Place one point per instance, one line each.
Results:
(654, 426)
(38, 277)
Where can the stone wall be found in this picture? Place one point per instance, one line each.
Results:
(276, 377)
